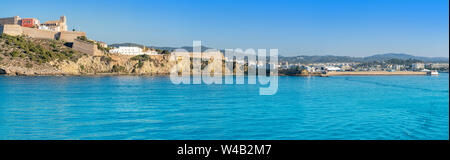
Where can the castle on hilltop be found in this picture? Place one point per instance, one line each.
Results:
(55, 29)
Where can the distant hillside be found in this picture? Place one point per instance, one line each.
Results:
(384, 57)
(187, 48)
(378, 57)
(320, 59)
(126, 44)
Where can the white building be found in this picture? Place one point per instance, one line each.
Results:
(132, 51)
(398, 67)
(332, 68)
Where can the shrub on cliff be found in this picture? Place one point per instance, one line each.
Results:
(117, 68)
(85, 39)
(105, 50)
(106, 59)
(29, 65)
(162, 51)
(140, 64)
(165, 52)
(53, 45)
(14, 53)
(141, 58)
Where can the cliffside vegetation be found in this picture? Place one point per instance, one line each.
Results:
(35, 50)
(85, 39)
(162, 51)
(140, 59)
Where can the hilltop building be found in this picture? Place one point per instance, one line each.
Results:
(58, 25)
(10, 20)
(102, 44)
(30, 22)
(31, 27)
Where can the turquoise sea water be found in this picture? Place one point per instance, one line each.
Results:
(127, 107)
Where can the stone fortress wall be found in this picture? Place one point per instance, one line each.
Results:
(70, 36)
(39, 34)
(16, 30)
(13, 30)
(86, 47)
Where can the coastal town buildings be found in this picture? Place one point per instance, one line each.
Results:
(317, 68)
(346, 67)
(439, 66)
(418, 66)
(398, 67)
(332, 68)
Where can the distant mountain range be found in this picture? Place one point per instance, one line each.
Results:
(406, 56)
(126, 44)
(321, 59)
(377, 57)
(189, 49)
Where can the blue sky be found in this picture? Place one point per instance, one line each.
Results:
(304, 27)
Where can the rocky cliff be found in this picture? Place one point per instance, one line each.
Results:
(28, 56)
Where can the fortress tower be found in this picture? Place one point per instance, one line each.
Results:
(63, 23)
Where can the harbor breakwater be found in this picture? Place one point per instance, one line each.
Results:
(374, 73)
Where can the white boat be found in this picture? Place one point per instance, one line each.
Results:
(434, 73)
